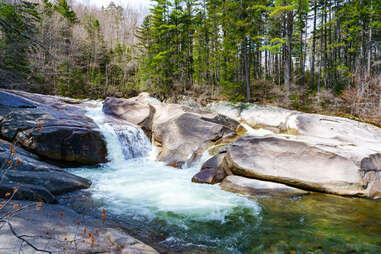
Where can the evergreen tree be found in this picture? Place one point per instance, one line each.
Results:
(17, 30)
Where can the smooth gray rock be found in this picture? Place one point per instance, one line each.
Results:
(338, 128)
(267, 117)
(130, 110)
(209, 176)
(281, 120)
(185, 138)
(308, 164)
(59, 229)
(256, 187)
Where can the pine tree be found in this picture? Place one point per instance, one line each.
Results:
(17, 29)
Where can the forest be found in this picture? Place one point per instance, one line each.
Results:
(310, 55)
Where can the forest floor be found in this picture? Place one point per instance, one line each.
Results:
(365, 108)
(346, 104)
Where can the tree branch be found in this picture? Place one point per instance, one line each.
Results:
(26, 241)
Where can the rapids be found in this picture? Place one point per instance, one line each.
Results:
(162, 206)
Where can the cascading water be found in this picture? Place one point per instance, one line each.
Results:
(135, 187)
(161, 205)
(123, 141)
(133, 141)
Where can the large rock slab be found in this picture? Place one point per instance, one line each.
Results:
(35, 180)
(329, 127)
(65, 143)
(271, 118)
(9, 99)
(58, 229)
(255, 187)
(309, 164)
(145, 111)
(26, 192)
(55, 128)
(38, 99)
(130, 110)
(281, 120)
(267, 117)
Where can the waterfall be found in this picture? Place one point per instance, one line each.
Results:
(124, 142)
(133, 141)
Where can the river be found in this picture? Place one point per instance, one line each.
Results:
(161, 205)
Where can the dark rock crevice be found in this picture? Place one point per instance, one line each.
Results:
(52, 131)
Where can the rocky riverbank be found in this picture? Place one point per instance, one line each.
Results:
(295, 153)
(34, 227)
(309, 152)
(40, 135)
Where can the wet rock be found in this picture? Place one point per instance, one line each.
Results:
(56, 181)
(55, 128)
(209, 176)
(35, 179)
(62, 143)
(372, 174)
(43, 100)
(212, 171)
(307, 163)
(256, 187)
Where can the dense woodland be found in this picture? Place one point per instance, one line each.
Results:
(310, 55)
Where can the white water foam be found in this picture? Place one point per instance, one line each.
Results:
(256, 132)
(145, 189)
(123, 141)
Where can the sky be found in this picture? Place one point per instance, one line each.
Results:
(135, 3)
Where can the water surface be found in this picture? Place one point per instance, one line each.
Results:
(161, 206)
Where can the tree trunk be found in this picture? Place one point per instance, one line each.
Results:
(246, 70)
(321, 56)
(379, 102)
(288, 59)
(325, 48)
(314, 45)
(370, 44)
(266, 64)
(301, 59)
